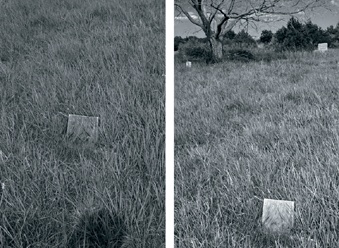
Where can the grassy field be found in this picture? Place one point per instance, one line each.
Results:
(249, 131)
(98, 58)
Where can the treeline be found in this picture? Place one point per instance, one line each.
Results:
(293, 37)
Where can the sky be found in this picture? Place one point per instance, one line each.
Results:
(323, 18)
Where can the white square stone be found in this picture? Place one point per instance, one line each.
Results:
(278, 216)
(322, 47)
(82, 130)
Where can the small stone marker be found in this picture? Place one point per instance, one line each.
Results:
(82, 130)
(278, 216)
(188, 64)
(322, 47)
(2, 189)
(3, 157)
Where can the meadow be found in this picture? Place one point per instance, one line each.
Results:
(245, 131)
(97, 58)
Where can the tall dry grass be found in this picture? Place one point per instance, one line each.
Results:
(249, 131)
(101, 58)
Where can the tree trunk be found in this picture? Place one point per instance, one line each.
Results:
(216, 50)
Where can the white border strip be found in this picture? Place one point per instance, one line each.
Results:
(169, 124)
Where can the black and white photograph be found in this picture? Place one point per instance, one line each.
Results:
(82, 123)
(256, 123)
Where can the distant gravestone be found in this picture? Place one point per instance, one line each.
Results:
(2, 189)
(82, 130)
(278, 216)
(322, 47)
(3, 157)
(189, 64)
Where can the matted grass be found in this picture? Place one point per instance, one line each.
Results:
(97, 58)
(249, 131)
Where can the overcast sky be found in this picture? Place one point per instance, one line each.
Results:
(323, 18)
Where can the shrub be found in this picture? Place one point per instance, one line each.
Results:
(194, 50)
(239, 55)
(230, 35)
(298, 36)
(177, 41)
(243, 39)
(266, 36)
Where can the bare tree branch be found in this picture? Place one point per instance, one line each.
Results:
(230, 8)
(190, 18)
(216, 10)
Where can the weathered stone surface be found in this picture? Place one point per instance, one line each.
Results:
(82, 130)
(278, 216)
(322, 47)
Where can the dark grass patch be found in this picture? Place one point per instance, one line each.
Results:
(240, 55)
(98, 228)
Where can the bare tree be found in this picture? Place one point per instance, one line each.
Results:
(217, 17)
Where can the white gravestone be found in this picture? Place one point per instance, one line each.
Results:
(82, 130)
(189, 64)
(278, 216)
(322, 47)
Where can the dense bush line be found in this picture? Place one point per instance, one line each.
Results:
(295, 36)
